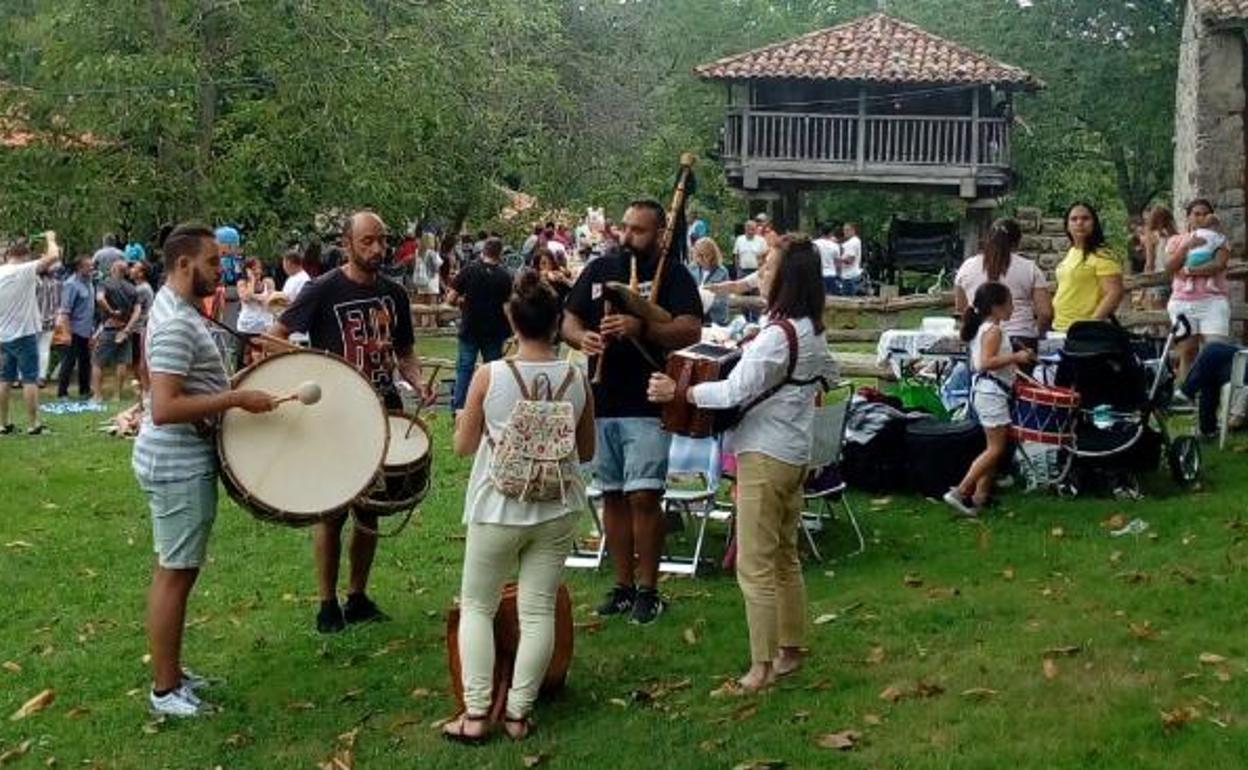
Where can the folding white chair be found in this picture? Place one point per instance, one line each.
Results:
(1239, 368)
(695, 461)
(585, 553)
(828, 487)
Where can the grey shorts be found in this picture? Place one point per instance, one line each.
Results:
(108, 352)
(182, 516)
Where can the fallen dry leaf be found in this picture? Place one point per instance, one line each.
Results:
(745, 712)
(419, 692)
(690, 636)
(876, 656)
(237, 740)
(18, 544)
(1066, 651)
(11, 667)
(1222, 674)
(1211, 659)
(1143, 630)
(533, 760)
(845, 740)
(1050, 668)
(1178, 717)
(942, 592)
(17, 752)
(872, 719)
(351, 695)
(799, 717)
(1115, 521)
(589, 626)
(881, 502)
(926, 690)
(980, 693)
(1058, 532)
(713, 745)
(892, 694)
(301, 705)
(1115, 557)
(1008, 573)
(825, 618)
(34, 705)
(77, 712)
(912, 581)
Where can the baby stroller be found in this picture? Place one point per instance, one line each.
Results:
(1105, 423)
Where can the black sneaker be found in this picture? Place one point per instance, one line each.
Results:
(360, 609)
(329, 620)
(647, 607)
(619, 601)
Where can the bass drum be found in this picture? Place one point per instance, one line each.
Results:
(406, 471)
(303, 464)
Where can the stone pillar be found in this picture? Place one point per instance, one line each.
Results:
(1209, 151)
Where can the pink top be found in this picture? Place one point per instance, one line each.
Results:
(1198, 287)
(1022, 279)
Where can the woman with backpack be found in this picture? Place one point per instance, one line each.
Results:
(774, 384)
(519, 510)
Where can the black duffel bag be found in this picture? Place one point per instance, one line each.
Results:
(938, 454)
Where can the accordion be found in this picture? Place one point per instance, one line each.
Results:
(692, 366)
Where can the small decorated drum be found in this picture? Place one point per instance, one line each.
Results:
(303, 463)
(1044, 414)
(405, 473)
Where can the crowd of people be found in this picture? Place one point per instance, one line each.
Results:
(121, 308)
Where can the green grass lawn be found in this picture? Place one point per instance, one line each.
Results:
(956, 618)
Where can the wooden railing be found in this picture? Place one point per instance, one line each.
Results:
(869, 140)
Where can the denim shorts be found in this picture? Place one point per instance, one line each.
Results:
(631, 454)
(183, 513)
(109, 352)
(21, 360)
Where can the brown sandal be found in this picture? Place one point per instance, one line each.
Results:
(525, 729)
(460, 736)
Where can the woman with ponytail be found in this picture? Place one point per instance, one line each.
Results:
(1029, 288)
(994, 363)
(510, 535)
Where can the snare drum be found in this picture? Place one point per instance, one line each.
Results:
(405, 473)
(303, 464)
(1043, 414)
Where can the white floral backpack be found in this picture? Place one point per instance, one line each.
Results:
(535, 458)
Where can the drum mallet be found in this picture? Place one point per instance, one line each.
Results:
(307, 394)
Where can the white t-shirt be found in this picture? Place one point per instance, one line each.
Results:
(829, 252)
(19, 308)
(1022, 278)
(748, 250)
(851, 259)
(294, 284)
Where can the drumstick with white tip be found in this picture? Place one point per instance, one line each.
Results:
(307, 394)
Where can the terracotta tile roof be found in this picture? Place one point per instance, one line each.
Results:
(875, 48)
(1223, 11)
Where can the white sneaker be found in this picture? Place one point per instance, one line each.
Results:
(954, 499)
(179, 702)
(194, 682)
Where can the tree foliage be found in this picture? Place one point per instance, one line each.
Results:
(268, 113)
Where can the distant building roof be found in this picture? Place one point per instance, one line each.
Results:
(1223, 12)
(877, 48)
(15, 131)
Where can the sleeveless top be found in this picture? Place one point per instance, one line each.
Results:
(483, 502)
(1004, 376)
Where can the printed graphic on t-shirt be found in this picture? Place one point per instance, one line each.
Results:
(367, 343)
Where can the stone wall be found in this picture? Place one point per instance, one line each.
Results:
(1044, 238)
(1209, 123)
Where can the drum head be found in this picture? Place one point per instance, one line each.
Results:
(409, 441)
(303, 459)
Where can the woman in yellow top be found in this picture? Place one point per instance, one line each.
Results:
(1089, 279)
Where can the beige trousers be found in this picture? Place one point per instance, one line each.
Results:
(494, 553)
(769, 569)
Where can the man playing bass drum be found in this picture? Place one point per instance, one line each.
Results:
(630, 465)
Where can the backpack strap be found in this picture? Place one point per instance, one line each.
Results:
(515, 373)
(568, 379)
(790, 336)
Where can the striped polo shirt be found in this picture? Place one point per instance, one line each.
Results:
(178, 342)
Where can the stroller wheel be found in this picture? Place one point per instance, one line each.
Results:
(1184, 457)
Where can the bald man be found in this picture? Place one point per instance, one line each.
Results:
(356, 313)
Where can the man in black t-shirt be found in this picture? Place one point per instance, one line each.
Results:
(481, 289)
(354, 312)
(630, 466)
(118, 301)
